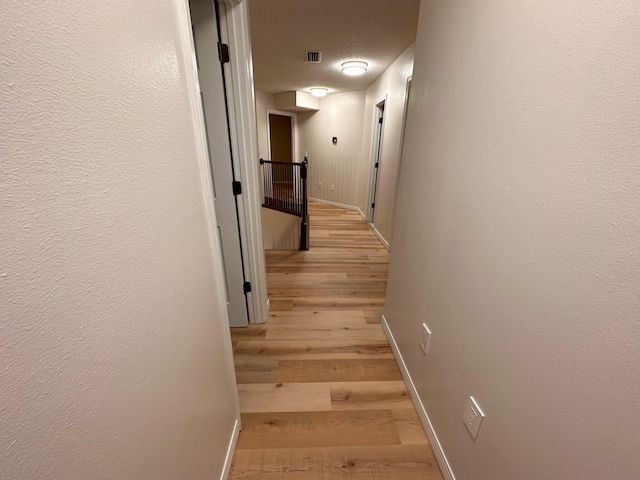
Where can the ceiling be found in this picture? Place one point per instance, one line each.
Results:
(282, 31)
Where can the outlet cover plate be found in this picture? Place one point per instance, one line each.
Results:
(473, 417)
(425, 338)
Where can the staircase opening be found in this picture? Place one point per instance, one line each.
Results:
(285, 190)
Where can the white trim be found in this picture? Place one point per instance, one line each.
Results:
(377, 141)
(336, 204)
(380, 237)
(441, 458)
(231, 450)
(294, 131)
(235, 30)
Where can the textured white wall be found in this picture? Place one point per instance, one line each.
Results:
(340, 115)
(112, 323)
(264, 101)
(393, 84)
(517, 235)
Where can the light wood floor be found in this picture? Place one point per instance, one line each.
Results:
(321, 395)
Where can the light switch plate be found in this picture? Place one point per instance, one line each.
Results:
(473, 417)
(425, 338)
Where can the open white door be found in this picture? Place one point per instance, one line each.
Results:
(212, 86)
(375, 159)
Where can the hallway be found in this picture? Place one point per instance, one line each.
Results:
(320, 393)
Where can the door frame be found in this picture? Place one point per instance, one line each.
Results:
(234, 29)
(294, 132)
(213, 81)
(377, 141)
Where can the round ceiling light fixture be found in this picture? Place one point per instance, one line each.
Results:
(354, 68)
(319, 91)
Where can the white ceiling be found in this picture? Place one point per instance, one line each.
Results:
(282, 31)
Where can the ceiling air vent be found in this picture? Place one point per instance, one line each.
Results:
(314, 57)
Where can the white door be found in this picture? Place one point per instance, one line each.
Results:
(375, 161)
(210, 73)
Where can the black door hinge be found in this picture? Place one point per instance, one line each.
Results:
(376, 164)
(379, 120)
(223, 52)
(373, 205)
(237, 187)
(247, 287)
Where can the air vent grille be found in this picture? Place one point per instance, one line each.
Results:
(314, 57)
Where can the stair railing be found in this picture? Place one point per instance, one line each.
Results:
(285, 190)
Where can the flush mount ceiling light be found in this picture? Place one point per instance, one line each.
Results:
(319, 92)
(354, 68)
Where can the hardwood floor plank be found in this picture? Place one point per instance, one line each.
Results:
(359, 332)
(308, 280)
(395, 462)
(251, 332)
(316, 349)
(317, 318)
(346, 291)
(409, 426)
(318, 429)
(338, 370)
(252, 369)
(281, 305)
(370, 395)
(338, 303)
(347, 269)
(284, 397)
(373, 317)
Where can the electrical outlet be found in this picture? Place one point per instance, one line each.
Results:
(425, 338)
(473, 416)
(332, 187)
(319, 185)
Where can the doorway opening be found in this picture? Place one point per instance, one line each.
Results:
(281, 140)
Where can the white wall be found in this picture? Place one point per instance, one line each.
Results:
(392, 84)
(113, 334)
(280, 231)
(517, 234)
(341, 116)
(264, 101)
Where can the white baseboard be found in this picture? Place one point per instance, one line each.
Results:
(335, 204)
(441, 458)
(231, 450)
(380, 237)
